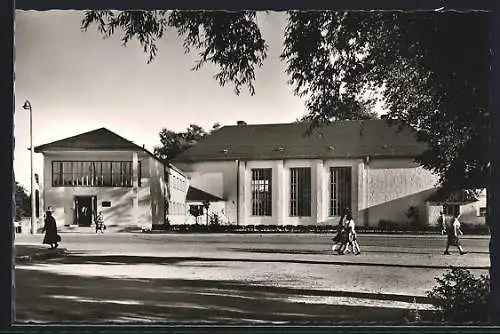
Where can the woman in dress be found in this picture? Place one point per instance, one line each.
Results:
(50, 228)
(340, 240)
(453, 231)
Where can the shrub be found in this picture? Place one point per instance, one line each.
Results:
(214, 219)
(388, 225)
(414, 216)
(461, 296)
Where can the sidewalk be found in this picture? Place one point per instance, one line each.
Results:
(26, 253)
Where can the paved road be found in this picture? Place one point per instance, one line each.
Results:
(234, 278)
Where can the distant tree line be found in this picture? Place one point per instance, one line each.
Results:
(174, 143)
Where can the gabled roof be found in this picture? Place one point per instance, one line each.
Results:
(100, 139)
(342, 139)
(97, 140)
(198, 195)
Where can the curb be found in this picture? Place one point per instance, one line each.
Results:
(60, 252)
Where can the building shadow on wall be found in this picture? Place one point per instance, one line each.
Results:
(385, 210)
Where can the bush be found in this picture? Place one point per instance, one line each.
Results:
(214, 219)
(413, 215)
(388, 225)
(461, 296)
(469, 228)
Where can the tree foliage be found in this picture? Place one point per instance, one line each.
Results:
(23, 203)
(230, 40)
(431, 69)
(174, 143)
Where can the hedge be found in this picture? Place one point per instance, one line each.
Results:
(468, 229)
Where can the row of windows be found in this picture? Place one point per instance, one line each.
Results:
(300, 191)
(175, 208)
(178, 183)
(93, 173)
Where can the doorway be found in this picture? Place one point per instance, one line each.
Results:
(85, 210)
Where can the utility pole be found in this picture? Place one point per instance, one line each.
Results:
(27, 106)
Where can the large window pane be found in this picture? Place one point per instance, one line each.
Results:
(116, 174)
(57, 179)
(261, 192)
(67, 173)
(340, 190)
(300, 192)
(86, 173)
(106, 174)
(92, 173)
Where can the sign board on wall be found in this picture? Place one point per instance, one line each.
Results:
(106, 204)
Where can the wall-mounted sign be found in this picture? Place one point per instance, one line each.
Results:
(106, 204)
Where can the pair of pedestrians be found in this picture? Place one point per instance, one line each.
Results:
(346, 236)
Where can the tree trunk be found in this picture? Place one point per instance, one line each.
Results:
(491, 196)
(491, 221)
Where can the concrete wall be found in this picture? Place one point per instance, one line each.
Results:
(176, 191)
(131, 207)
(392, 186)
(218, 178)
(381, 189)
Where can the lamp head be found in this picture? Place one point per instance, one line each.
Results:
(27, 105)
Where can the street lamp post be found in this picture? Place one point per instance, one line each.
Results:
(27, 106)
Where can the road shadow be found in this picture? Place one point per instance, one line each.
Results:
(338, 260)
(329, 252)
(24, 250)
(55, 298)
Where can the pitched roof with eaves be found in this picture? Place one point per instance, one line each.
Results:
(97, 140)
(341, 139)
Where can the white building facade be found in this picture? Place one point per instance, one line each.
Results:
(99, 171)
(265, 178)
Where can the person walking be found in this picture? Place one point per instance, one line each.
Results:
(442, 222)
(352, 239)
(50, 228)
(99, 224)
(453, 231)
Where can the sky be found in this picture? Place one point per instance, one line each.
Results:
(77, 81)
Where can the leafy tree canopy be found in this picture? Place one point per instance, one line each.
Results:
(174, 143)
(23, 202)
(431, 68)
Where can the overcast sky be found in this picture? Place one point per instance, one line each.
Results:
(77, 81)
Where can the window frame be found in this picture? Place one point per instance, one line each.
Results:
(261, 184)
(300, 202)
(340, 193)
(71, 173)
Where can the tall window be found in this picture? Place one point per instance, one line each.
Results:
(300, 192)
(262, 192)
(92, 173)
(340, 190)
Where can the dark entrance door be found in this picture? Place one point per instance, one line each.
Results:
(85, 210)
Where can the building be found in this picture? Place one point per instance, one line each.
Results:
(276, 174)
(102, 171)
(471, 207)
